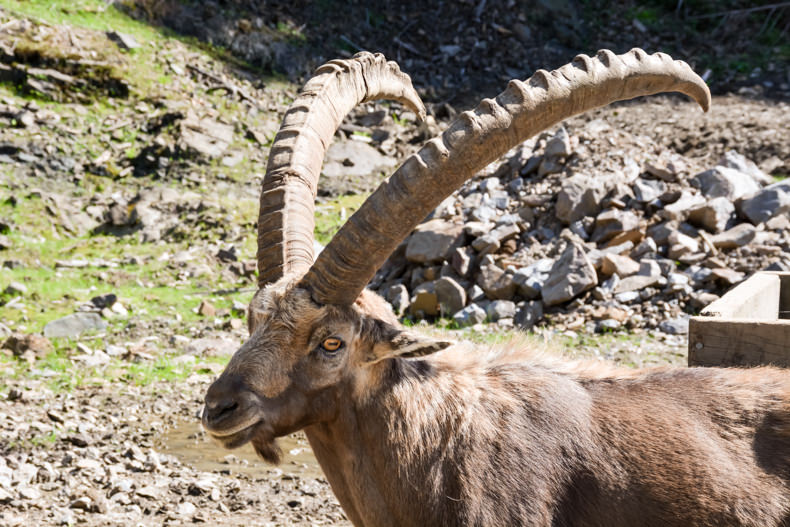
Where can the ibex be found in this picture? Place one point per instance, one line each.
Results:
(471, 435)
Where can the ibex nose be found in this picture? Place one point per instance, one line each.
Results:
(222, 400)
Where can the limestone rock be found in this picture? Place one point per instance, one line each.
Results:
(571, 275)
(528, 315)
(613, 222)
(73, 325)
(773, 200)
(578, 198)
(617, 264)
(496, 284)
(469, 316)
(499, 309)
(724, 182)
(450, 294)
(738, 236)
(433, 241)
(713, 215)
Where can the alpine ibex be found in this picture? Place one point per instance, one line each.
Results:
(477, 436)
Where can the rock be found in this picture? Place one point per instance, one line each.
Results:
(73, 325)
(15, 288)
(398, 296)
(608, 324)
(123, 40)
(530, 279)
(713, 215)
(649, 267)
(483, 213)
(612, 222)
(185, 508)
(571, 275)
(579, 197)
(207, 309)
(675, 326)
(724, 182)
(702, 299)
(550, 165)
(461, 260)
(647, 246)
(354, 160)
(205, 136)
(150, 492)
(636, 283)
(734, 160)
(211, 347)
(666, 167)
(726, 276)
(424, 301)
(528, 315)
(450, 294)
(475, 229)
(475, 294)
(616, 264)
(738, 236)
(773, 200)
(679, 209)
(433, 241)
(78, 440)
(647, 190)
(499, 309)
(681, 245)
(496, 284)
(28, 493)
(469, 316)
(487, 244)
(19, 344)
(559, 146)
(83, 503)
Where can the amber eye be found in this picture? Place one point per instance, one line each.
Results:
(331, 344)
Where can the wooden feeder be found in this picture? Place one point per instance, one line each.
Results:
(748, 326)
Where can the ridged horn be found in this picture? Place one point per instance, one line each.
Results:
(472, 141)
(286, 217)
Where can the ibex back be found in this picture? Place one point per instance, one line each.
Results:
(477, 436)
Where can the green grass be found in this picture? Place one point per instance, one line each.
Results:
(331, 215)
(154, 286)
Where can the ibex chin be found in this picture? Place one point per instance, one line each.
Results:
(477, 436)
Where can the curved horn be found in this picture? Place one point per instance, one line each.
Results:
(286, 218)
(472, 141)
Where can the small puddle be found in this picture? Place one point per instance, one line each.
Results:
(192, 446)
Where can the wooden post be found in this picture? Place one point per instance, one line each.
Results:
(749, 326)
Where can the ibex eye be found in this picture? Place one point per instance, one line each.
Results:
(332, 344)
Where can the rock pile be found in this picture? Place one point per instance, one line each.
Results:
(600, 228)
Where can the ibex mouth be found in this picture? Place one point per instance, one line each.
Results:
(257, 432)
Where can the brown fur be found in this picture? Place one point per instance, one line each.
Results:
(503, 435)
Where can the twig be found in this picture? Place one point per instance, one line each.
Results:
(780, 5)
(232, 89)
(351, 43)
(225, 292)
(410, 48)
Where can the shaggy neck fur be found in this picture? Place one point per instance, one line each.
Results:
(506, 439)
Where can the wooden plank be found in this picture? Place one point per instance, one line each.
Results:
(716, 341)
(757, 298)
(784, 295)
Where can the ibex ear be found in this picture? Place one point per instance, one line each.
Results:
(392, 341)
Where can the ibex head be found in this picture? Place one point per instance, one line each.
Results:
(317, 339)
